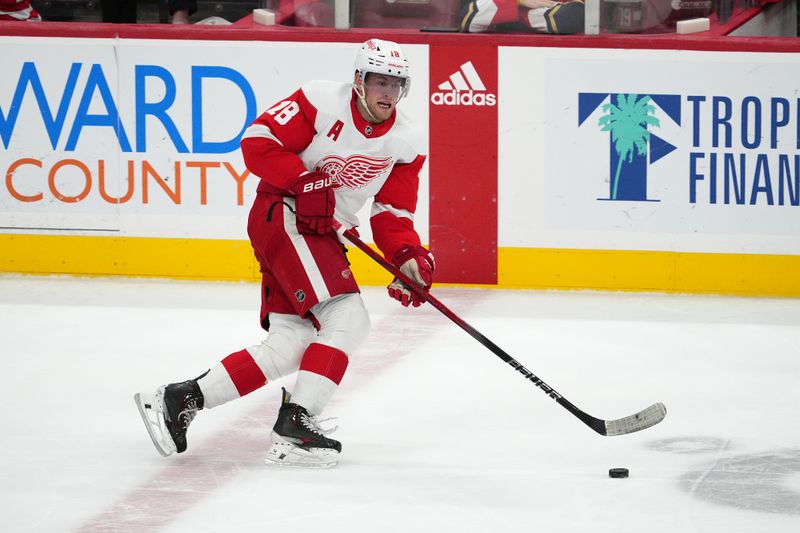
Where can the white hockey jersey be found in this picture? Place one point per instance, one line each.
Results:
(320, 128)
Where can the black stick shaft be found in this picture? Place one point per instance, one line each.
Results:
(594, 423)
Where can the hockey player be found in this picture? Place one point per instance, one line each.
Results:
(320, 154)
(18, 10)
(537, 15)
(567, 16)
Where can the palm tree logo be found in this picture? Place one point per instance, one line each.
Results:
(627, 117)
(627, 120)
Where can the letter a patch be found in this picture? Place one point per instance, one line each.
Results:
(336, 129)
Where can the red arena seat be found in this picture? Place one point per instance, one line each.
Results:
(412, 14)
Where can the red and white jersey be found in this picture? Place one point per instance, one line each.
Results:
(483, 15)
(318, 127)
(18, 10)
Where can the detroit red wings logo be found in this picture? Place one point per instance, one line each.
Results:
(355, 171)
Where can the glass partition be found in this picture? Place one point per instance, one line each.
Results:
(662, 16)
(471, 16)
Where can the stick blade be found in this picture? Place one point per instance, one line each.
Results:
(642, 420)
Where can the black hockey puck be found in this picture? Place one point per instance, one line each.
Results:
(618, 472)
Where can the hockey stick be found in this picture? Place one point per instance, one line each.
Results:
(621, 426)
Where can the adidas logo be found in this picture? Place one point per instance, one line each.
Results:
(464, 87)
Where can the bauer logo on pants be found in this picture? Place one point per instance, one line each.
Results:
(464, 87)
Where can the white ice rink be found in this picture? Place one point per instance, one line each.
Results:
(439, 434)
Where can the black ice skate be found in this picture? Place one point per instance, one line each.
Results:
(168, 413)
(298, 440)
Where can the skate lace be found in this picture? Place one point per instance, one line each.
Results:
(189, 412)
(313, 424)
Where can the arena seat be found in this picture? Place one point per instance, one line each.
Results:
(411, 14)
(313, 13)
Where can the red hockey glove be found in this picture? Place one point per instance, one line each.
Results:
(417, 263)
(314, 203)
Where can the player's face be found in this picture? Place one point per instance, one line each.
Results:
(382, 93)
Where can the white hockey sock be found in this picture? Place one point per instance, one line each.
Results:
(217, 387)
(313, 391)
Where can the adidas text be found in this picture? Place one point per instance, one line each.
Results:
(471, 98)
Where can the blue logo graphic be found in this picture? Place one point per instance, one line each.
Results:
(627, 119)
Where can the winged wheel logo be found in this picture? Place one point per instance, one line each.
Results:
(355, 171)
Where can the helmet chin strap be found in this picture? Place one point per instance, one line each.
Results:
(362, 97)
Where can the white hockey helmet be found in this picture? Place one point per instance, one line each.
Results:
(383, 57)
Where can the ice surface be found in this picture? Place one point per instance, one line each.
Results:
(438, 433)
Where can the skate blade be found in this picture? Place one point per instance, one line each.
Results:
(285, 454)
(150, 409)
